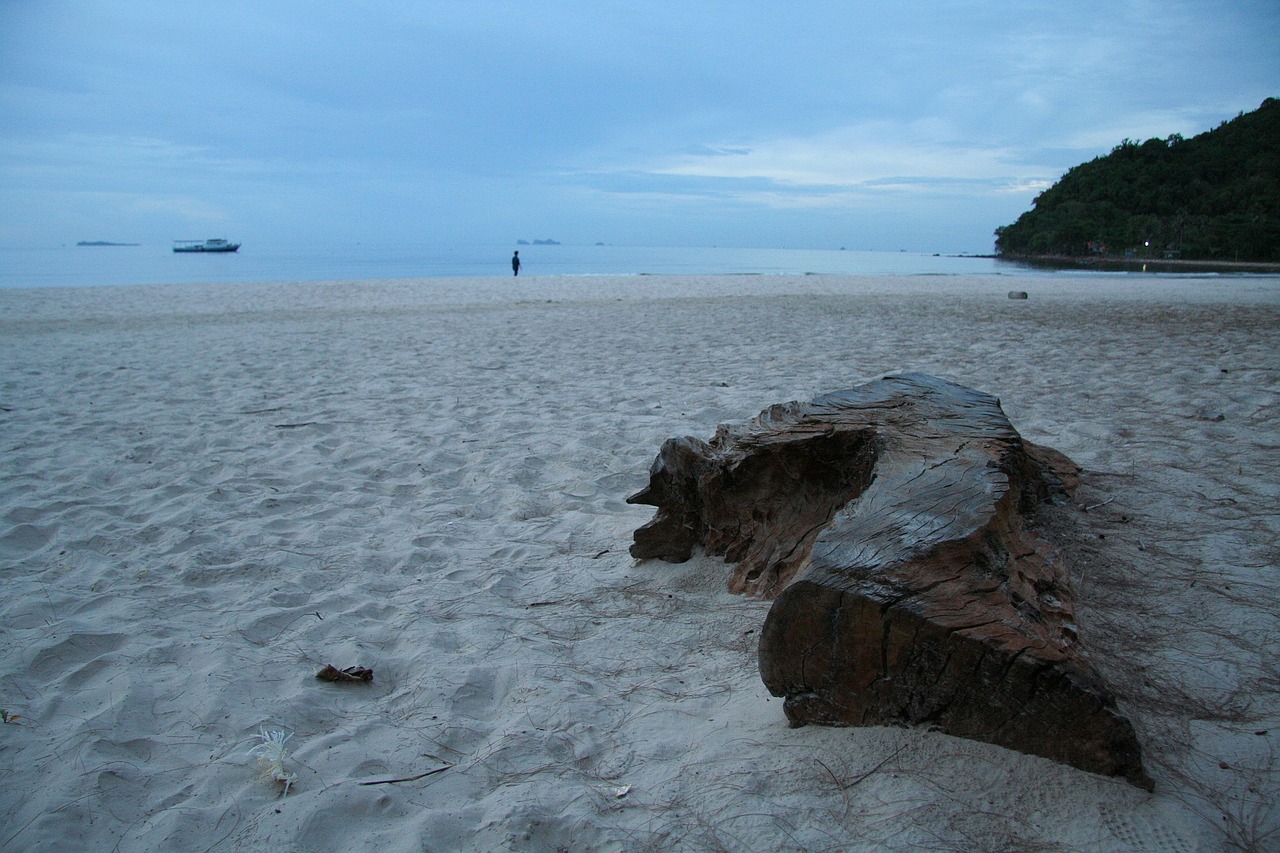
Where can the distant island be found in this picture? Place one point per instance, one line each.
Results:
(1212, 198)
(104, 243)
(538, 243)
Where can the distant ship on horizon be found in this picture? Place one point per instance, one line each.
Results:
(216, 244)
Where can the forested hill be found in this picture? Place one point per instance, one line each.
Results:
(1215, 196)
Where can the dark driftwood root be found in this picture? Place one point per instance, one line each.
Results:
(889, 522)
(350, 675)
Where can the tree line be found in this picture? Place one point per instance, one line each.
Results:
(1215, 196)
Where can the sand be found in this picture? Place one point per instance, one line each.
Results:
(211, 492)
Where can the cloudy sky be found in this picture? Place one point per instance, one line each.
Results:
(872, 125)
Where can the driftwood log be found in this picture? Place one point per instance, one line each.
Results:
(890, 522)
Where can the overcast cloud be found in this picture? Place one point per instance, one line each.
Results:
(918, 125)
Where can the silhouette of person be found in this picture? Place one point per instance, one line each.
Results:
(515, 264)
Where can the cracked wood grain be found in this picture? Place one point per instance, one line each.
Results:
(890, 524)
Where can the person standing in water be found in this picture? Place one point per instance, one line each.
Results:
(515, 264)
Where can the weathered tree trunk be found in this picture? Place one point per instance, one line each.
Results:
(888, 521)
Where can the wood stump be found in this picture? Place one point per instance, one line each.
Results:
(889, 522)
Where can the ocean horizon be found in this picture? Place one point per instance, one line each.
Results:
(138, 264)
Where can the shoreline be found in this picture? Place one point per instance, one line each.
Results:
(72, 267)
(1116, 263)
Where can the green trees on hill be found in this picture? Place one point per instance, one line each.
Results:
(1215, 196)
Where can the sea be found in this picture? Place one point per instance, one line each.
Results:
(96, 265)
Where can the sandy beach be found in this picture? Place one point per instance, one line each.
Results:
(210, 492)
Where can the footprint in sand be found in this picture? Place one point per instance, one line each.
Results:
(74, 654)
(1144, 832)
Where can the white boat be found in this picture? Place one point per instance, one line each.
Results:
(214, 245)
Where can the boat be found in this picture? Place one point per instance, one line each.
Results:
(214, 245)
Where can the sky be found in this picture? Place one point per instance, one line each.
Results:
(809, 124)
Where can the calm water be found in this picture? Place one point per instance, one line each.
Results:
(80, 266)
(76, 266)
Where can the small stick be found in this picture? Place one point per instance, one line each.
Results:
(839, 784)
(887, 759)
(1104, 503)
(408, 778)
(845, 786)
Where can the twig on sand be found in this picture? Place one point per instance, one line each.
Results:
(831, 773)
(844, 786)
(1104, 503)
(408, 778)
